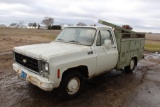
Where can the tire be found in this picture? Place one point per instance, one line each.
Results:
(71, 85)
(131, 66)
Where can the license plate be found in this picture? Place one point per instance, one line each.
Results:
(23, 75)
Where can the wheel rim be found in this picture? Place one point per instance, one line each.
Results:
(73, 86)
(132, 64)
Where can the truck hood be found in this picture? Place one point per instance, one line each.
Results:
(46, 50)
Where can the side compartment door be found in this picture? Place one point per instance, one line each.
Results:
(106, 58)
(124, 57)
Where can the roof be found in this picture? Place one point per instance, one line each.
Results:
(13, 24)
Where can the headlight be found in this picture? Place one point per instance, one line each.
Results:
(45, 69)
(45, 66)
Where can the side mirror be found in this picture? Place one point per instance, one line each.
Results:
(107, 43)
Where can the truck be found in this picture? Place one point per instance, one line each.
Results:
(76, 54)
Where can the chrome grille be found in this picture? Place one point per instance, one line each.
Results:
(27, 62)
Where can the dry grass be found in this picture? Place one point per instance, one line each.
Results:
(154, 36)
(152, 45)
(48, 34)
(10, 38)
(152, 42)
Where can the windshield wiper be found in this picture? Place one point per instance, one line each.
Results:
(73, 41)
(61, 40)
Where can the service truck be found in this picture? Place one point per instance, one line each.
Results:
(78, 53)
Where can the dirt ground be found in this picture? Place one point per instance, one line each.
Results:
(112, 89)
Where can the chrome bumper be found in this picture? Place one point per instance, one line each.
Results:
(37, 80)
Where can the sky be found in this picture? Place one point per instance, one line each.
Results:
(142, 15)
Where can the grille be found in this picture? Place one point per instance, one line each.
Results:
(27, 62)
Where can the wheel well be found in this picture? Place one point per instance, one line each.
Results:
(82, 69)
(135, 58)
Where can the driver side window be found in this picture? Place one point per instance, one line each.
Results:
(102, 36)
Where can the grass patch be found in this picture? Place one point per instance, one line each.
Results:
(152, 45)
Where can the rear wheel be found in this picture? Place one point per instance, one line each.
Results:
(71, 85)
(131, 66)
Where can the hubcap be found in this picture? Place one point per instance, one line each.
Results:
(132, 64)
(73, 86)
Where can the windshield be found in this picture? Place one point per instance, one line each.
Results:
(82, 36)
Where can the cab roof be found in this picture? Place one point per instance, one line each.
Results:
(94, 27)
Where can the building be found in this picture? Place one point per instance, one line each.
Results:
(13, 25)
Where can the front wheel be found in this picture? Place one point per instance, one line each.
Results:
(131, 66)
(71, 85)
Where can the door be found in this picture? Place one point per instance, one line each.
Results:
(106, 58)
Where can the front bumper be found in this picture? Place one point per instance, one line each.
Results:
(37, 80)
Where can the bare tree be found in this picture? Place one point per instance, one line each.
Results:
(48, 21)
(81, 24)
(20, 24)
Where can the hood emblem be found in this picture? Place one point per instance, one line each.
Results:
(24, 60)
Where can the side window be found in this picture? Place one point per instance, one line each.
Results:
(98, 42)
(105, 34)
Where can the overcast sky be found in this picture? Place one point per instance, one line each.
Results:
(142, 15)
